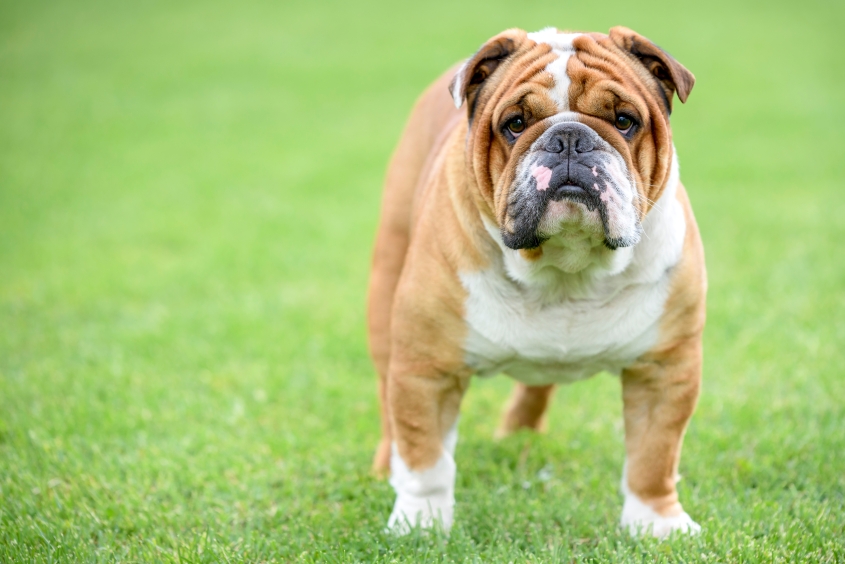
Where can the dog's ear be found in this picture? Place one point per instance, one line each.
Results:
(471, 76)
(671, 75)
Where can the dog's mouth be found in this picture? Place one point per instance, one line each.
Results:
(533, 220)
(575, 193)
(574, 181)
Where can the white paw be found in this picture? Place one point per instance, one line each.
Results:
(423, 498)
(427, 513)
(640, 519)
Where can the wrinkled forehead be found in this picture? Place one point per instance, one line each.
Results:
(598, 67)
(563, 49)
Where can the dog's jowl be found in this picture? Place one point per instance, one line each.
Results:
(534, 224)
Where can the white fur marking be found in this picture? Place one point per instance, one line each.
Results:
(561, 44)
(457, 95)
(640, 519)
(425, 498)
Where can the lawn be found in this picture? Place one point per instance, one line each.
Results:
(188, 197)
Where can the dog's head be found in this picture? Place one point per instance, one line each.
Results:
(570, 132)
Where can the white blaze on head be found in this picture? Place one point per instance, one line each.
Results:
(561, 44)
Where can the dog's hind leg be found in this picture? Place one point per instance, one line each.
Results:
(526, 409)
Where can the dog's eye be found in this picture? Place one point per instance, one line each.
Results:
(516, 126)
(623, 123)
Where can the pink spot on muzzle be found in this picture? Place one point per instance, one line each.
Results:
(543, 175)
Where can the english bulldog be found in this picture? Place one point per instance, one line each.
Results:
(542, 232)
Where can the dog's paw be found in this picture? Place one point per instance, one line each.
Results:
(423, 498)
(426, 513)
(640, 519)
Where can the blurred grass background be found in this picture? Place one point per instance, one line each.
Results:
(188, 196)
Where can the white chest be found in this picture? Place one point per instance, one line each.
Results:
(590, 322)
(572, 339)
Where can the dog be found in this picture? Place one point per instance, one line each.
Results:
(542, 232)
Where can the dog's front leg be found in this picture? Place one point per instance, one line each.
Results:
(424, 407)
(659, 394)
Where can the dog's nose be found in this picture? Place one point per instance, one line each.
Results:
(570, 139)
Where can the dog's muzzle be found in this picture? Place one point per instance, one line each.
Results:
(569, 161)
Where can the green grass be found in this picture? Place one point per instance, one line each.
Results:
(188, 195)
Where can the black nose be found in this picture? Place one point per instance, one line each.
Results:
(570, 139)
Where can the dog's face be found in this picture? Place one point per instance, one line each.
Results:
(569, 133)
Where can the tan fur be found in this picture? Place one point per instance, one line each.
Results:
(426, 373)
(526, 409)
(604, 83)
(448, 173)
(660, 391)
(424, 132)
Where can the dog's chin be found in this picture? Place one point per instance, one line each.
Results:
(568, 219)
